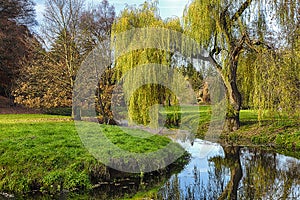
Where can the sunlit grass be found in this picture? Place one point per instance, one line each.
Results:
(273, 129)
(41, 155)
(45, 152)
(26, 118)
(134, 140)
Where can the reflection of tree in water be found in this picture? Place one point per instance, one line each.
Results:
(212, 189)
(172, 189)
(232, 162)
(257, 166)
(217, 181)
(269, 176)
(203, 186)
(243, 173)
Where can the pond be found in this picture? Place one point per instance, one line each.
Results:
(218, 172)
(215, 172)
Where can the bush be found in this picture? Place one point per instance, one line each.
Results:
(173, 120)
(64, 111)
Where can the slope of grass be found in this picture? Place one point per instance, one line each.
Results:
(45, 153)
(275, 130)
(37, 154)
(279, 132)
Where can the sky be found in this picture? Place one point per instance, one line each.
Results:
(168, 8)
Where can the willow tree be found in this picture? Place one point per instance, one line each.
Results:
(231, 28)
(144, 98)
(271, 82)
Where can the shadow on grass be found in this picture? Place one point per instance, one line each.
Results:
(248, 123)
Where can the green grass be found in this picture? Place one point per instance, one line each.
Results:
(45, 153)
(193, 118)
(31, 118)
(134, 140)
(279, 132)
(149, 194)
(248, 116)
(37, 154)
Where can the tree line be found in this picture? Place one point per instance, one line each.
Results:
(16, 18)
(254, 45)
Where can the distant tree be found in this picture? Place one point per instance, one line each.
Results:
(195, 78)
(69, 33)
(95, 29)
(41, 83)
(49, 78)
(60, 30)
(19, 11)
(16, 17)
(95, 25)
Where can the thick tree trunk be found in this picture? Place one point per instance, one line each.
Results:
(232, 123)
(234, 100)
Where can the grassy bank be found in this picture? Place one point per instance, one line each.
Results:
(281, 133)
(44, 153)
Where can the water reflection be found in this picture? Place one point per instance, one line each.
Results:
(269, 176)
(227, 172)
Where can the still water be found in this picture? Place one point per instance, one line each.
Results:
(217, 172)
(226, 172)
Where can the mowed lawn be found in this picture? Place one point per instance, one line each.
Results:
(38, 152)
(45, 153)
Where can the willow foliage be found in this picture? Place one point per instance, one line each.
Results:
(269, 78)
(269, 82)
(264, 38)
(143, 100)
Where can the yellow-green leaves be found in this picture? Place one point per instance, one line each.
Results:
(134, 63)
(199, 20)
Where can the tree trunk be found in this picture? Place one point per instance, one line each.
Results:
(76, 113)
(234, 100)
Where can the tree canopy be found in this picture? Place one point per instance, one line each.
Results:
(144, 98)
(237, 33)
(68, 39)
(16, 19)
